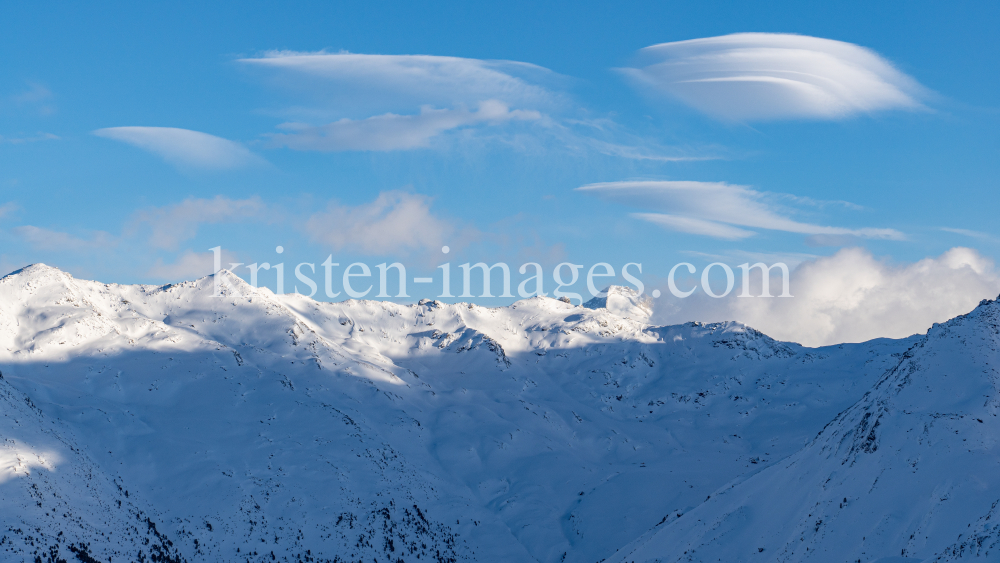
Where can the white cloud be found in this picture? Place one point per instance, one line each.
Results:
(716, 209)
(173, 224)
(189, 266)
(852, 297)
(394, 132)
(765, 76)
(396, 222)
(380, 80)
(8, 208)
(185, 148)
(47, 239)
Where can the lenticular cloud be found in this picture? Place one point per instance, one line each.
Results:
(769, 76)
(184, 147)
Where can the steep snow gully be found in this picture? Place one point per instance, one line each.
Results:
(147, 423)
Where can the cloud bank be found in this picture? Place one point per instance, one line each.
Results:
(769, 76)
(852, 297)
(185, 148)
(717, 209)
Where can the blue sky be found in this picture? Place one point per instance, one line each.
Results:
(477, 123)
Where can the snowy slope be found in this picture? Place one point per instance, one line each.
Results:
(257, 427)
(912, 471)
(77, 510)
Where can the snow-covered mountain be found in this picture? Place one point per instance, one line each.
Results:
(146, 423)
(912, 470)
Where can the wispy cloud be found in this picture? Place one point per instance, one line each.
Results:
(695, 226)
(36, 96)
(171, 225)
(791, 259)
(407, 80)
(394, 132)
(716, 209)
(766, 76)
(185, 148)
(23, 139)
(604, 136)
(973, 234)
(8, 208)
(649, 151)
(46, 239)
(395, 222)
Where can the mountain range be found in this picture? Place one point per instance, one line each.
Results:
(214, 421)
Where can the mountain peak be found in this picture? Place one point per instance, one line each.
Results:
(35, 270)
(986, 311)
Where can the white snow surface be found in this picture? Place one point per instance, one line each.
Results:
(148, 423)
